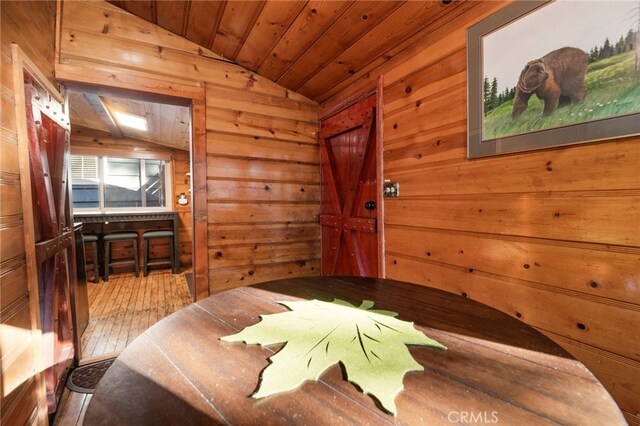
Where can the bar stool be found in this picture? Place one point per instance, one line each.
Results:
(151, 235)
(93, 241)
(120, 237)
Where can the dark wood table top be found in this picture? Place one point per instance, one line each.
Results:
(496, 369)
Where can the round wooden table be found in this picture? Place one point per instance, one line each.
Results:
(496, 369)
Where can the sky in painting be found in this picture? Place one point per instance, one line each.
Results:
(577, 23)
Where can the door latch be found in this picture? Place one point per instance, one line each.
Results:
(370, 205)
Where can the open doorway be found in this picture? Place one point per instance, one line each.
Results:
(131, 174)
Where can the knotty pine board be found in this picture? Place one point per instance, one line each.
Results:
(277, 17)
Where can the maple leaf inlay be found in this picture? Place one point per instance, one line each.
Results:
(370, 344)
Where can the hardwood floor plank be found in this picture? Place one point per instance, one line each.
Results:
(115, 301)
(83, 411)
(98, 315)
(125, 306)
(119, 319)
(128, 314)
(137, 316)
(70, 406)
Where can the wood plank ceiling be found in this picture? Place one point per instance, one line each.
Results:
(168, 125)
(312, 47)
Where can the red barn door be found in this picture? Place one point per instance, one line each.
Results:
(349, 187)
(48, 133)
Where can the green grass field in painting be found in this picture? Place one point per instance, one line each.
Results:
(613, 88)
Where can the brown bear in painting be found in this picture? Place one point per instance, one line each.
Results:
(559, 76)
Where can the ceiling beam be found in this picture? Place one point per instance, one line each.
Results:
(103, 112)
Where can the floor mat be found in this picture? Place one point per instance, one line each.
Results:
(85, 379)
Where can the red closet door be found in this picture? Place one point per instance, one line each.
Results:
(348, 206)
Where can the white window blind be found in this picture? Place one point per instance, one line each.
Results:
(84, 168)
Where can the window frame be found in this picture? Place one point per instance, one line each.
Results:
(102, 164)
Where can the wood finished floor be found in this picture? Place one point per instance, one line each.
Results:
(125, 306)
(72, 408)
(119, 311)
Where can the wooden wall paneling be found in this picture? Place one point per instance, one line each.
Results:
(88, 73)
(181, 166)
(21, 406)
(261, 170)
(597, 323)
(35, 39)
(246, 146)
(233, 121)
(18, 354)
(224, 279)
(445, 72)
(380, 96)
(76, 45)
(595, 270)
(225, 190)
(443, 145)
(228, 256)
(9, 158)
(11, 232)
(101, 18)
(275, 18)
(585, 168)
(260, 175)
(7, 103)
(606, 218)
(353, 24)
(266, 233)
(10, 191)
(277, 106)
(314, 19)
(238, 212)
(198, 198)
(441, 109)
(13, 281)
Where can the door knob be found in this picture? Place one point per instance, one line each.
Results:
(370, 205)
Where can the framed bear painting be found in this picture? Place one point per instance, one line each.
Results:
(543, 74)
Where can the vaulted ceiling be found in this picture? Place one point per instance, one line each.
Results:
(311, 47)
